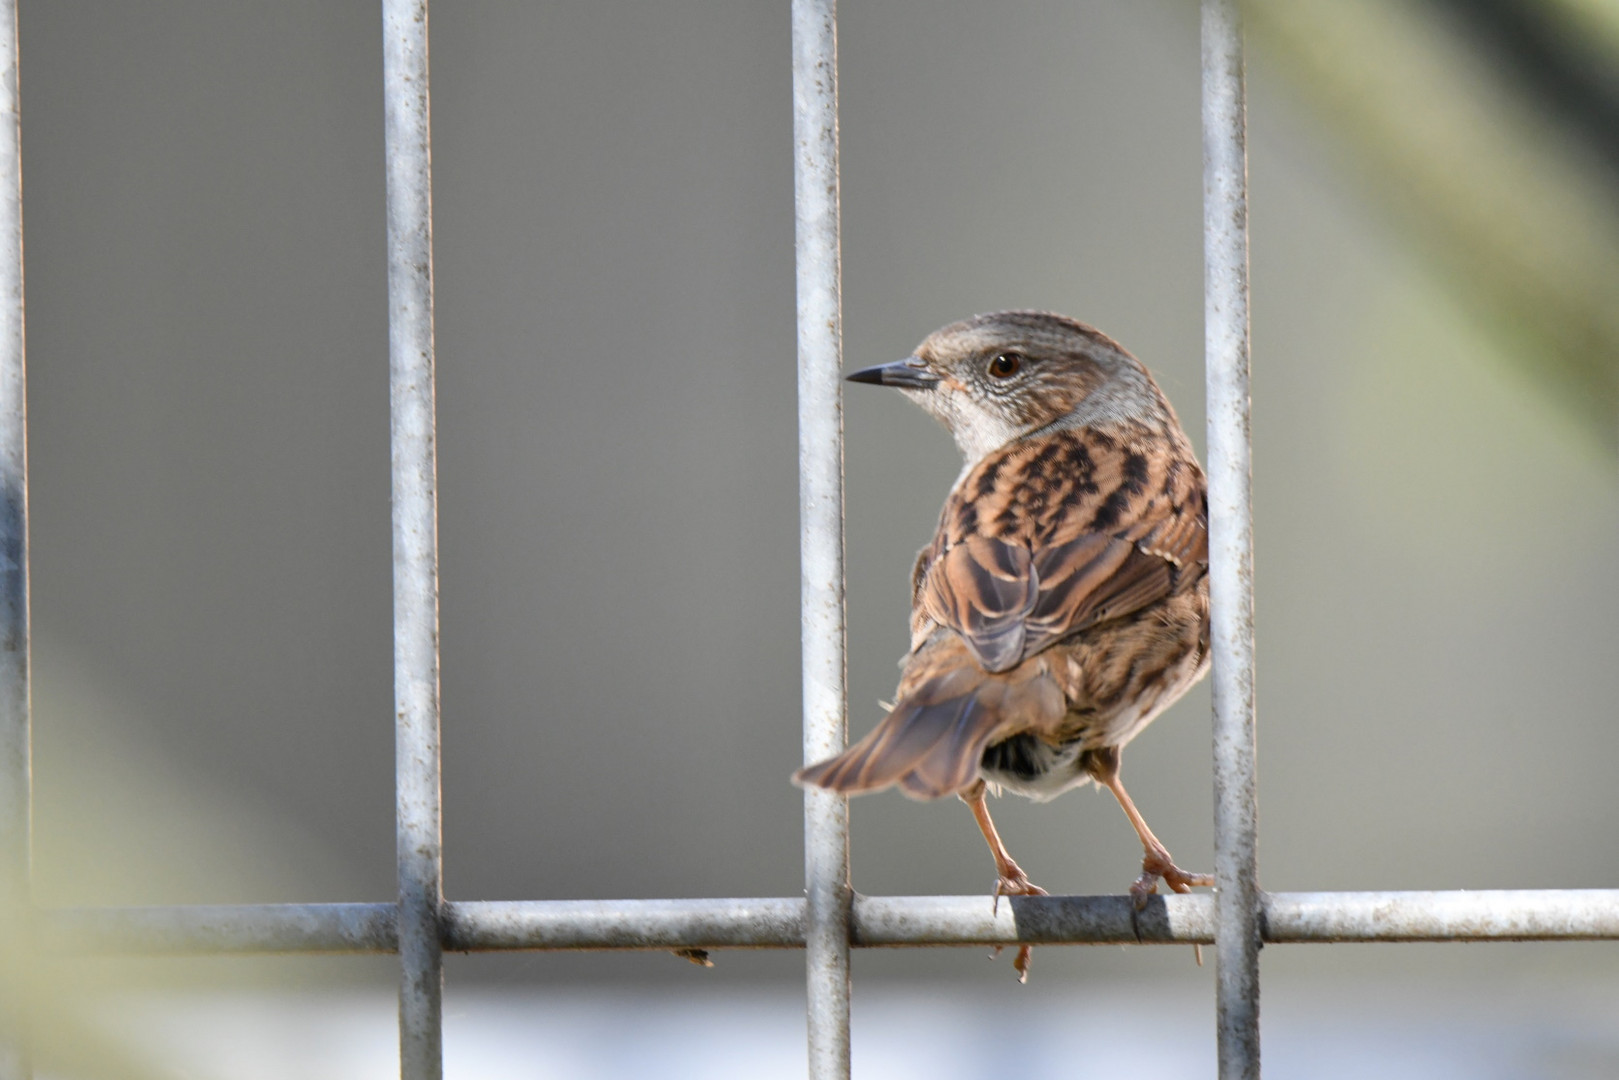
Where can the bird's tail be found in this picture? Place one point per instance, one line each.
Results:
(932, 740)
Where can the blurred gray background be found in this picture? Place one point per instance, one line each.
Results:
(1438, 612)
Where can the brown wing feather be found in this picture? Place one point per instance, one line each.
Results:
(983, 588)
(1182, 538)
(1075, 579)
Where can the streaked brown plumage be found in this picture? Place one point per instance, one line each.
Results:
(1063, 602)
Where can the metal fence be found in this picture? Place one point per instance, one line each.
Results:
(831, 918)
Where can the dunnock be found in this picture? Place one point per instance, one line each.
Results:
(1064, 600)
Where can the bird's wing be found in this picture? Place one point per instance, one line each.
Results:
(1104, 541)
(984, 589)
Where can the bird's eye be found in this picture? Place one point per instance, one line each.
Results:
(1005, 365)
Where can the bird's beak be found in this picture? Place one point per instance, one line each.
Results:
(910, 373)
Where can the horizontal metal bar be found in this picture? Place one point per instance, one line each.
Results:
(1486, 915)
(494, 926)
(233, 928)
(885, 921)
(878, 922)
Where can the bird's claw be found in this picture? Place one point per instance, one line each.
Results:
(1014, 882)
(1158, 865)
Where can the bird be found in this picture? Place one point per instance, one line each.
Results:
(1063, 602)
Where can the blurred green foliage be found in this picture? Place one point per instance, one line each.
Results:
(1518, 212)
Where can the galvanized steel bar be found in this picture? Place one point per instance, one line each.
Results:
(877, 922)
(415, 537)
(486, 926)
(1485, 915)
(904, 921)
(890, 921)
(224, 928)
(15, 735)
(820, 502)
(1231, 568)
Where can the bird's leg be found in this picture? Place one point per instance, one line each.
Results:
(1157, 863)
(1010, 878)
(1012, 881)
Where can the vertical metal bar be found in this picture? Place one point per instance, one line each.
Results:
(1231, 566)
(415, 538)
(15, 736)
(820, 502)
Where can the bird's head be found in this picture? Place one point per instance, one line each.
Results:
(994, 378)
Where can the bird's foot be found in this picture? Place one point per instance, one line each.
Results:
(1157, 864)
(1014, 882)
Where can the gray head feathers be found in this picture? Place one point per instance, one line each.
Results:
(1009, 374)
